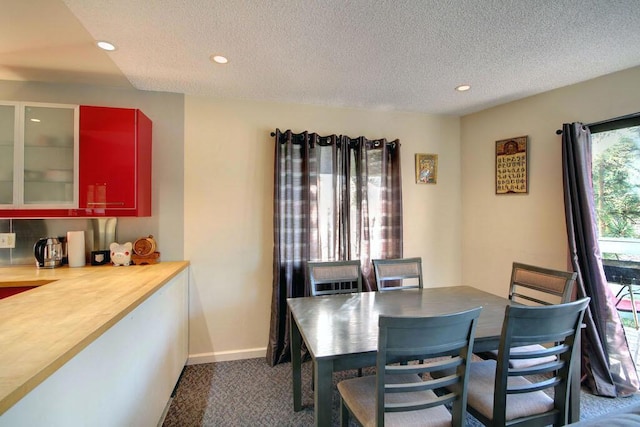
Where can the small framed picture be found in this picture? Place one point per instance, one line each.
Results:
(426, 168)
(512, 170)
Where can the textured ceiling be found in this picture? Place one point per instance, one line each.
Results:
(387, 55)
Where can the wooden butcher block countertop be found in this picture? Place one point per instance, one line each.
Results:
(43, 328)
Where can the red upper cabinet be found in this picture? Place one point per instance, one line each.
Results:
(115, 162)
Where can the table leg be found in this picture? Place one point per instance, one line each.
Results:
(296, 364)
(633, 306)
(323, 398)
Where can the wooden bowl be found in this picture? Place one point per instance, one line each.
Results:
(144, 246)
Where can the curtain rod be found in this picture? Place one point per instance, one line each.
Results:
(559, 131)
(390, 143)
(602, 122)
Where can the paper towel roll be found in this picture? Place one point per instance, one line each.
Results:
(75, 248)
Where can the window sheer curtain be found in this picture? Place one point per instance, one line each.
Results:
(606, 360)
(335, 198)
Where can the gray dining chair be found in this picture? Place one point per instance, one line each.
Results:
(397, 274)
(334, 277)
(398, 395)
(500, 395)
(538, 286)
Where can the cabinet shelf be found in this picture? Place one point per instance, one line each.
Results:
(55, 147)
(42, 181)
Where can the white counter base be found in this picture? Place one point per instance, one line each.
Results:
(123, 378)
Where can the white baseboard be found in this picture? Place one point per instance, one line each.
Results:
(225, 356)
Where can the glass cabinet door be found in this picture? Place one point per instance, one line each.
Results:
(50, 155)
(7, 142)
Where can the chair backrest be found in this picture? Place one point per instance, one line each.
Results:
(406, 339)
(522, 326)
(334, 277)
(542, 286)
(397, 274)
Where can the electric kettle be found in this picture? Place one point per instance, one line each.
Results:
(48, 252)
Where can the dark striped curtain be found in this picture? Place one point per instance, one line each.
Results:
(607, 365)
(335, 198)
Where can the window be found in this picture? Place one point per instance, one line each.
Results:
(361, 197)
(616, 186)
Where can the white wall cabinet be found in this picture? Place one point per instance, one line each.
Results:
(39, 155)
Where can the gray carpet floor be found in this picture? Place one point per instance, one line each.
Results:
(249, 392)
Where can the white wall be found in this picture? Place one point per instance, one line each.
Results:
(461, 229)
(229, 201)
(498, 230)
(166, 110)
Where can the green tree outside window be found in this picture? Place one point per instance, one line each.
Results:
(616, 182)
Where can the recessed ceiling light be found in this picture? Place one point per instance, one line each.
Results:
(463, 88)
(35, 120)
(219, 59)
(106, 45)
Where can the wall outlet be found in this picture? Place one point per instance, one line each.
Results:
(8, 240)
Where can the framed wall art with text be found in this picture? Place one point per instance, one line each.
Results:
(512, 169)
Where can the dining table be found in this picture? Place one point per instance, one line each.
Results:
(340, 332)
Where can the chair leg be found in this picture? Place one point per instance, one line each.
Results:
(344, 414)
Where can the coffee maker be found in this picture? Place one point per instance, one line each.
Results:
(48, 252)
